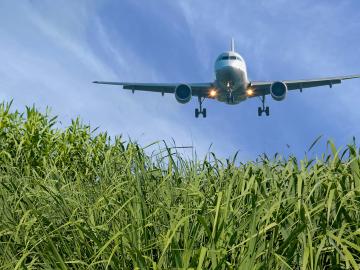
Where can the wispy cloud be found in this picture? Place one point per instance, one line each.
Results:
(52, 51)
(57, 68)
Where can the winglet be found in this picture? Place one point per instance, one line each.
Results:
(232, 45)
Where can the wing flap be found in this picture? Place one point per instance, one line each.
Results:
(151, 87)
(199, 89)
(294, 85)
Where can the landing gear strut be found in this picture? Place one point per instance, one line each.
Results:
(230, 98)
(200, 110)
(264, 109)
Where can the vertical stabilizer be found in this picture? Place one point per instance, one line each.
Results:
(232, 45)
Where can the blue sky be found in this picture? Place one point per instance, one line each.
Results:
(51, 51)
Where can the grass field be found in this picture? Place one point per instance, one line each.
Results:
(73, 199)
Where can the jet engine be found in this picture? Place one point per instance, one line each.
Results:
(278, 91)
(183, 93)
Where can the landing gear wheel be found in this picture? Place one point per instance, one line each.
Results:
(264, 109)
(204, 113)
(200, 110)
(230, 99)
(267, 111)
(196, 112)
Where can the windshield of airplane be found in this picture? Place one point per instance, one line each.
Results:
(227, 57)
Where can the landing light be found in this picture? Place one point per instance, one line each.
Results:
(212, 93)
(250, 92)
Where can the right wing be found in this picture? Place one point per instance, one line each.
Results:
(263, 88)
(198, 89)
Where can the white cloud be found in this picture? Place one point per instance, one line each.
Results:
(57, 66)
(52, 51)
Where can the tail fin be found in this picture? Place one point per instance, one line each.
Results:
(232, 48)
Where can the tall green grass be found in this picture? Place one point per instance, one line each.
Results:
(74, 199)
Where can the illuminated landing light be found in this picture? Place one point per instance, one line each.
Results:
(212, 93)
(249, 92)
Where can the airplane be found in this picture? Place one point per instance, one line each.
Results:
(231, 85)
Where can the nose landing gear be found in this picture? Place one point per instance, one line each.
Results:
(200, 110)
(264, 109)
(230, 98)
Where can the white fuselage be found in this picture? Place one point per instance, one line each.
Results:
(231, 78)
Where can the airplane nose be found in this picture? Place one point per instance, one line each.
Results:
(227, 73)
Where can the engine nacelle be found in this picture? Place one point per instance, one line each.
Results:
(278, 91)
(183, 93)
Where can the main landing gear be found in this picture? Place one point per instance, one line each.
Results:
(200, 110)
(264, 109)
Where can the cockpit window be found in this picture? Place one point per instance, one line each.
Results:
(227, 57)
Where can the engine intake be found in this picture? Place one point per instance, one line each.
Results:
(183, 93)
(278, 91)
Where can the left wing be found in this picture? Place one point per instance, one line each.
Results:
(198, 89)
(263, 88)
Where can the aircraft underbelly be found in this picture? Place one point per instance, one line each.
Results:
(233, 78)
